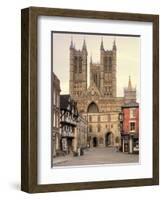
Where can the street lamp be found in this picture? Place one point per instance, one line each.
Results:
(121, 116)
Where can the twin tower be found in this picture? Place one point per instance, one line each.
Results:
(102, 74)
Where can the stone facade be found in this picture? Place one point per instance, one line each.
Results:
(98, 103)
(103, 120)
(82, 132)
(56, 115)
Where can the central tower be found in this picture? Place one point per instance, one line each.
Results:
(108, 63)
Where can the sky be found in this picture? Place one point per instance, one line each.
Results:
(128, 57)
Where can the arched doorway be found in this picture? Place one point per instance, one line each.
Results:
(95, 142)
(108, 139)
(92, 108)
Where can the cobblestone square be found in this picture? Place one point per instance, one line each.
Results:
(95, 156)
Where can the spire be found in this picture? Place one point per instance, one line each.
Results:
(71, 44)
(84, 45)
(102, 46)
(114, 45)
(129, 93)
(129, 84)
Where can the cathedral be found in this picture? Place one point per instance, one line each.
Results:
(98, 103)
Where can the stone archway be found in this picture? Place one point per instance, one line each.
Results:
(108, 139)
(92, 108)
(95, 142)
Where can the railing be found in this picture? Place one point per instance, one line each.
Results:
(70, 121)
(67, 134)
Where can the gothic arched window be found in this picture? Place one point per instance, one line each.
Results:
(92, 108)
(80, 65)
(90, 128)
(105, 64)
(75, 64)
(98, 128)
(95, 78)
(110, 64)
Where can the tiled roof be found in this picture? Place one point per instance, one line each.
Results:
(64, 101)
(68, 104)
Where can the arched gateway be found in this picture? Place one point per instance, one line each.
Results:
(92, 108)
(95, 142)
(108, 139)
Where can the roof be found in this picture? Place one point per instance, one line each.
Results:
(56, 82)
(64, 101)
(131, 105)
(67, 103)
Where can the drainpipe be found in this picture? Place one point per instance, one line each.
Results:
(123, 145)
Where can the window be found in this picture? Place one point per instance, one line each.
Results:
(94, 78)
(109, 117)
(98, 128)
(105, 64)
(110, 64)
(90, 128)
(98, 119)
(132, 126)
(58, 100)
(54, 98)
(92, 108)
(132, 113)
(54, 118)
(75, 64)
(110, 90)
(80, 65)
(105, 90)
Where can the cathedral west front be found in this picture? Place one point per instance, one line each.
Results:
(98, 103)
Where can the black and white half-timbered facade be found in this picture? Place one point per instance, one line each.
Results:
(68, 123)
(73, 127)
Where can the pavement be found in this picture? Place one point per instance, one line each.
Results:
(98, 155)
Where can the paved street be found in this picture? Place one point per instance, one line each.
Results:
(94, 156)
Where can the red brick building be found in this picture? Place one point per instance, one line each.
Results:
(130, 127)
(129, 118)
